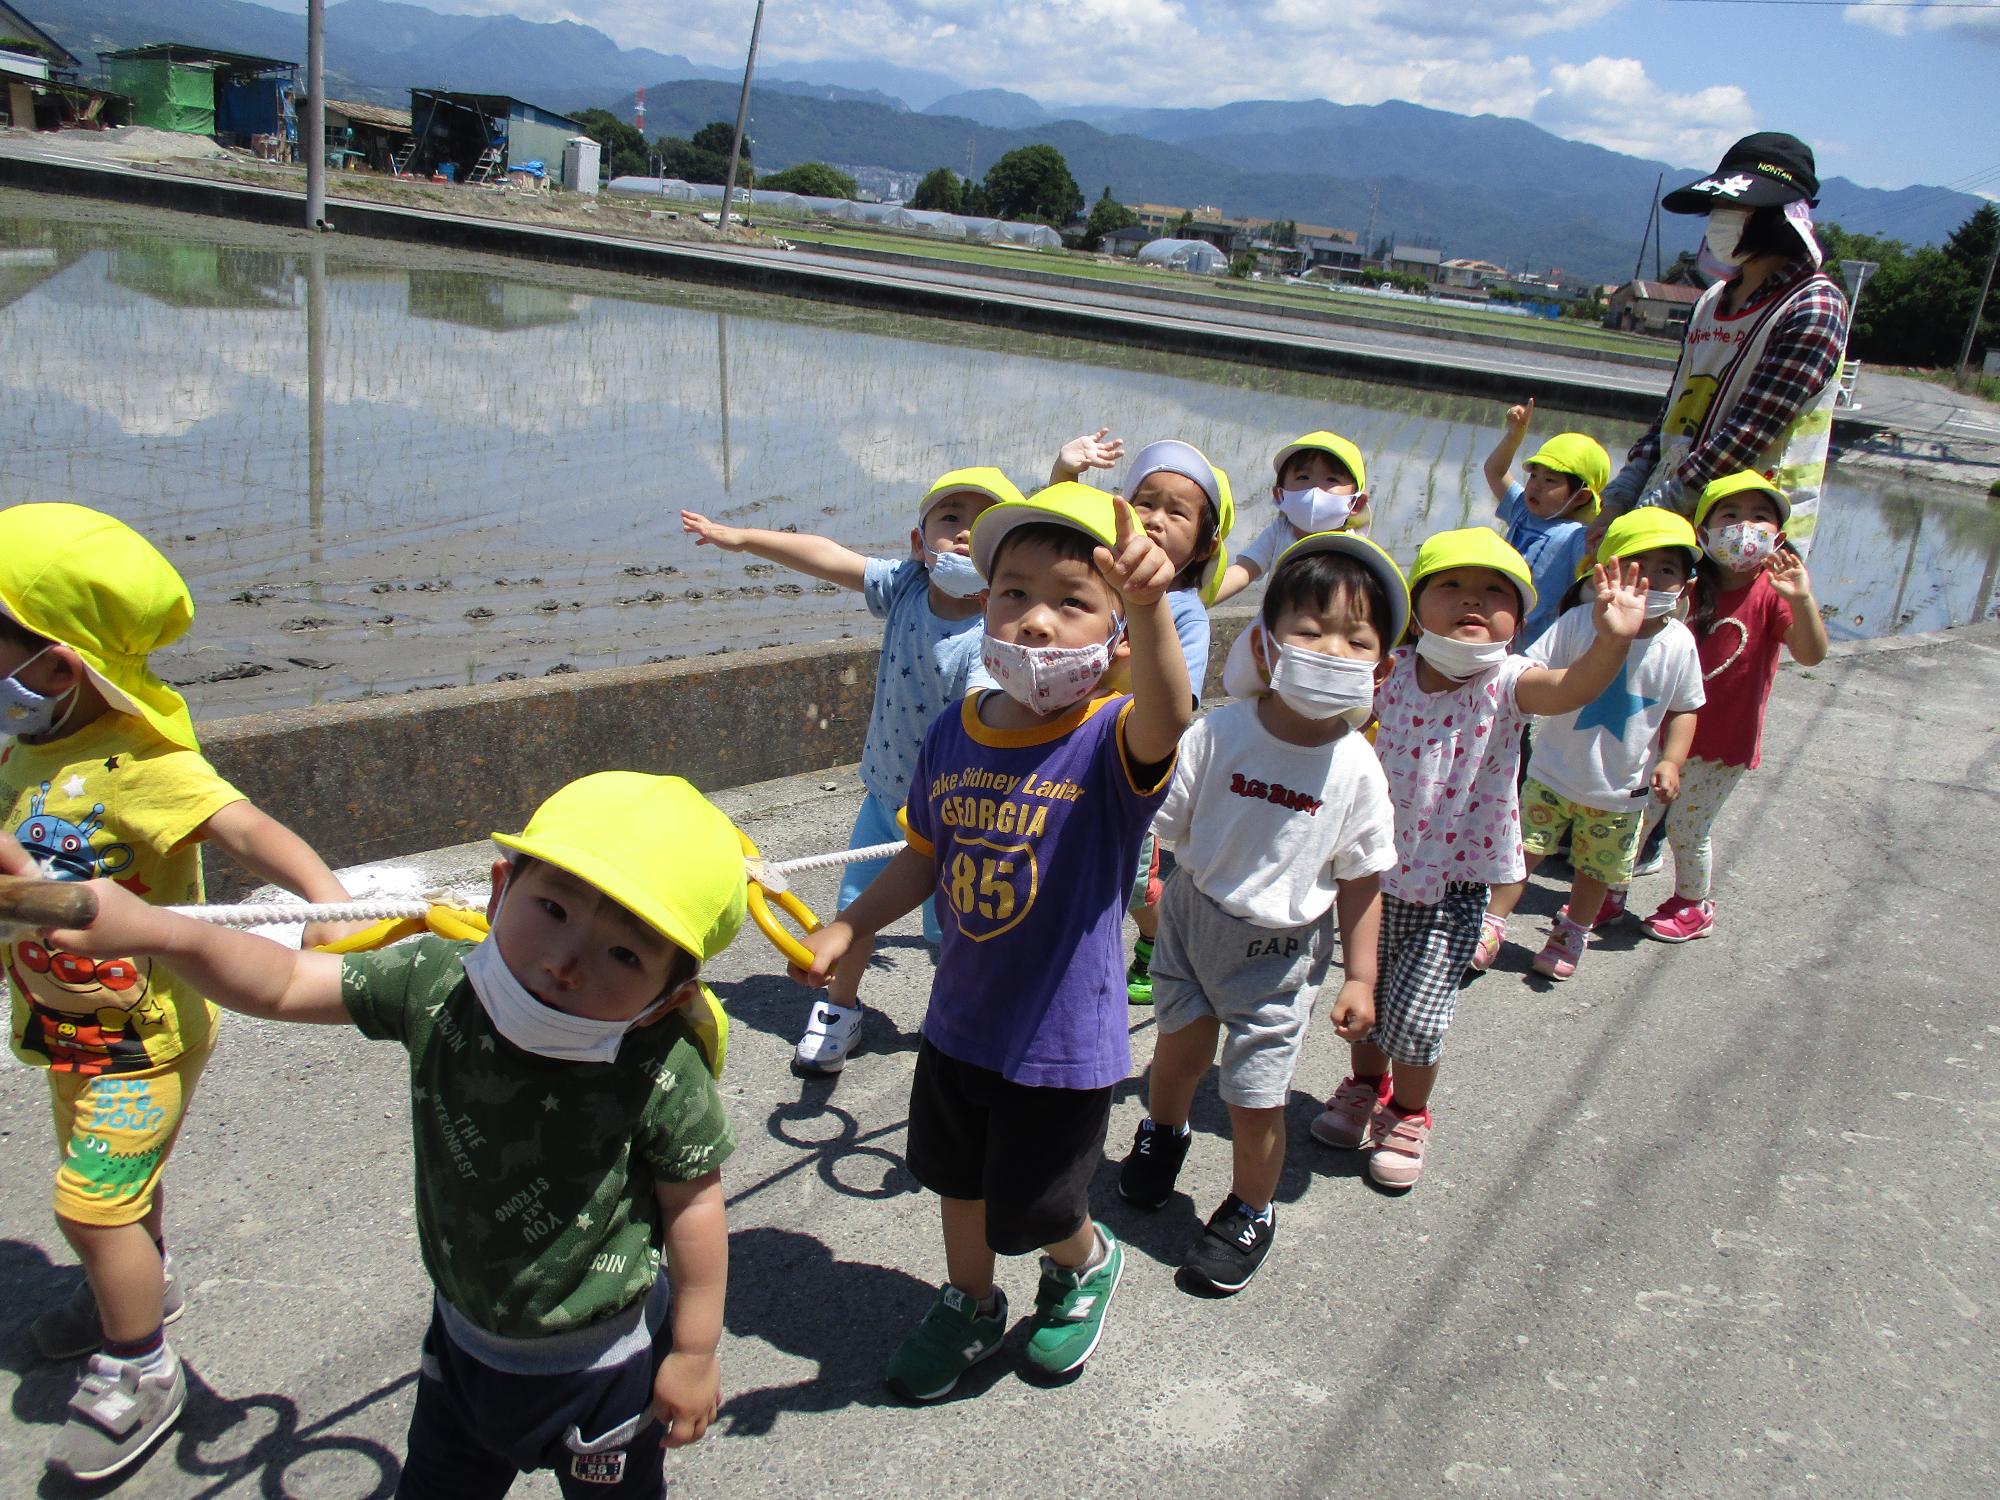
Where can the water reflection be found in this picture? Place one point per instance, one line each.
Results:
(450, 476)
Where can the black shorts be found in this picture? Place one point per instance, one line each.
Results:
(1029, 1153)
(476, 1429)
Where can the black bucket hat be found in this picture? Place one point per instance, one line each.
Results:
(1766, 170)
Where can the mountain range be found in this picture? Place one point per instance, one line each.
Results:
(1478, 186)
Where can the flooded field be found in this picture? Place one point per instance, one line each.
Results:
(385, 468)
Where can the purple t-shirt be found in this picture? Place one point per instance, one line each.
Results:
(1033, 834)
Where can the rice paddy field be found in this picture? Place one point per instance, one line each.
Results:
(385, 468)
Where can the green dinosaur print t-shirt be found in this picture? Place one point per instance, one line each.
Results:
(535, 1179)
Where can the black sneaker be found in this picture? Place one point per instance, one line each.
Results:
(1231, 1248)
(1147, 1176)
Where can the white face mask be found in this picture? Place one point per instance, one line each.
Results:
(1459, 660)
(1047, 679)
(954, 574)
(25, 712)
(1660, 603)
(1724, 237)
(1319, 686)
(1316, 509)
(1741, 546)
(538, 1028)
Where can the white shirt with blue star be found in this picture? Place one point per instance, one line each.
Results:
(1602, 754)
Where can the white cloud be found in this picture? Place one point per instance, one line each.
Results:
(1899, 18)
(1610, 102)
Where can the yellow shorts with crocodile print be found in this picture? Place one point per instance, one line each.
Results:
(1603, 845)
(115, 1131)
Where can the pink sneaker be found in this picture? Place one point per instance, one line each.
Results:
(1398, 1158)
(1492, 933)
(1613, 910)
(1680, 921)
(1345, 1121)
(1563, 951)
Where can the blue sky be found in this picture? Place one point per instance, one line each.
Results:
(1888, 93)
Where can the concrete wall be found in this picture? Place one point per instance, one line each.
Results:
(387, 777)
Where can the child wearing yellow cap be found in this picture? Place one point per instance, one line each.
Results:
(103, 777)
(566, 1128)
(1452, 710)
(1320, 483)
(1185, 504)
(1024, 820)
(1594, 770)
(1751, 597)
(929, 605)
(1282, 824)
(1548, 511)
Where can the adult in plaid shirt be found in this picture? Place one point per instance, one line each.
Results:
(1759, 367)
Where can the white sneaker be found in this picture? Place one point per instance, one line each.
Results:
(832, 1032)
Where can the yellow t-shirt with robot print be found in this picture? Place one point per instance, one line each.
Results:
(118, 800)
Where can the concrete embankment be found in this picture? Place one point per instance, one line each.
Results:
(1712, 1220)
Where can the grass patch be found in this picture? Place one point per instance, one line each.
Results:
(1985, 387)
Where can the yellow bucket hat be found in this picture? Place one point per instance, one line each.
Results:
(1353, 544)
(1473, 547)
(1175, 457)
(1583, 457)
(984, 481)
(1738, 484)
(1344, 451)
(1079, 506)
(90, 582)
(662, 851)
(1645, 529)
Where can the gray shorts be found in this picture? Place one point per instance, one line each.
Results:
(1259, 982)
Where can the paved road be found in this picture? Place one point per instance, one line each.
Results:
(1713, 1220)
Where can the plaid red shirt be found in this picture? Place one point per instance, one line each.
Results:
(1802, 357)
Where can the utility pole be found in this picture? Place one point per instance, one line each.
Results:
(313, 132)
(742, 112)
(1652, 219)
(1978, 308)
(1368, 238)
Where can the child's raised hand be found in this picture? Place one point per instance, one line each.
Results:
(1621, 600)
(1136, 567)
(1789, 578)
(1094, 450)
(1354, 1010)
(707, 533)
(1518, 418)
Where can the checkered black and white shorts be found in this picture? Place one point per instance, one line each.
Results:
(1420, 963)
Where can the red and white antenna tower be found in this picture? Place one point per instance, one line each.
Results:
(639, 111)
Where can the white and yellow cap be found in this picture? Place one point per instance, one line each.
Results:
(982, 481)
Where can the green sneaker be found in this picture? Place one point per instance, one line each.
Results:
(1139, 977)
(1069, 1311)
(953, 1337)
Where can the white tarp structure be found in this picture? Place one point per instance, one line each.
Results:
(1197, 256)
(843, 210)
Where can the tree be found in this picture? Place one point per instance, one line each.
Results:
(1107, 216)
(813, 178)
(1914, 309)
(1242, 264)
(941, 191)
(624, 146)
(1033, 182)
(1283, 232)
(719, 136)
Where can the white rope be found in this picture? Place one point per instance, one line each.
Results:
(837, 857)
(274, 913)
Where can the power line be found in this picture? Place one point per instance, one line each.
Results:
(1860, 4)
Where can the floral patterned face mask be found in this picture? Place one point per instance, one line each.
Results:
(1742, 546)
(1048, 679)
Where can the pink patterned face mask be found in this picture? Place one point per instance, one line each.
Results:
(1742, 546)
(1048, 679)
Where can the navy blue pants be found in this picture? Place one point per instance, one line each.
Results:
(476, 1429)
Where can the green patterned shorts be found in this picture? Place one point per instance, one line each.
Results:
(1602, 844)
